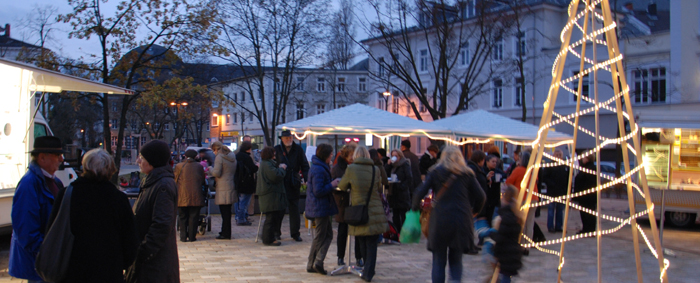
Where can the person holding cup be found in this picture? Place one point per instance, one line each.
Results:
(400, 189)
(494, 175)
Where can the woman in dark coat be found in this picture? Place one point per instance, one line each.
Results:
(189, 177)
(342, 200)
(584, 181)
(399, 195)
(320, 206)
(245, 182)
(451, 222)
(101, 221)
(493, 190)
(271, 194)
(155, 213)
(507, 249)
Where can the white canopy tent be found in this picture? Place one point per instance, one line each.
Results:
(483, 125)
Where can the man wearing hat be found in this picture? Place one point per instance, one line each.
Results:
(189, 177)
(31, 206)
(293, 155)
(415, 164)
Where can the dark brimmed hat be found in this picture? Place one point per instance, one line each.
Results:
(47, 144)
(286, 133)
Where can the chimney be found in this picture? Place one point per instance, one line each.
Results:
(6, 30)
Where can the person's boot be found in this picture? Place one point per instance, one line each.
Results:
(360, 263)
(310, 267)
(319, 269)
(341, 261)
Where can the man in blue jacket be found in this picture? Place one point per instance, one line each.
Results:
(32, 205)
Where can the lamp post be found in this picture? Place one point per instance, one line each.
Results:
(386, 95)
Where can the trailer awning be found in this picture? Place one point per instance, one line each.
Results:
(52, 81)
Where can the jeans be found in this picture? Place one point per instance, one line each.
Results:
(273, 221)
(241, 208)
(557, 209)
(225, 220)
(368, 249)
(342, 242)
(441, 258)
(322, 241)
(294, 218)
(504, 278)
(189, 218)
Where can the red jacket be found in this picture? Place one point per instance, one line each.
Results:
(516, 178)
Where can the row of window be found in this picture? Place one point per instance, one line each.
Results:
(129, 142)
(649, 86)
(340, 86)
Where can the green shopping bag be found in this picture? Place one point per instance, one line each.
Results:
(410, 232)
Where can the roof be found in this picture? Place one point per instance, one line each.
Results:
(361, 66)
(362, 119)
(483, 124)
(6, 41)
(52, 81)
(684, 116)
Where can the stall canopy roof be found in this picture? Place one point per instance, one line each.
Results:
(484, 124)
(361, 119)
(684, 116)
(52, 81)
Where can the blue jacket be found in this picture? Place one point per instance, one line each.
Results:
(31, 208)
(319, 197)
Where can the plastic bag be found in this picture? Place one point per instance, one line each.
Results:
(410, 232)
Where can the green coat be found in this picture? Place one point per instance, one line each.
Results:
(270, 187)
(357, 178)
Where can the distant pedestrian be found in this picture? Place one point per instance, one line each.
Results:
(245, 182)
(399, 189)
(342, 200)
(224, 171)
(556, 179)
(358, 178)
(582, 182)
(155, 213)
(320, 206)
(415, 165)
(428, 159)
(271, 194)
(507, 250)
(451, 230)
(107, 246)
(293, 156)
(32, 204)
(189, 177)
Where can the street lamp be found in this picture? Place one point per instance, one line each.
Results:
(177, 123)
(386, 95)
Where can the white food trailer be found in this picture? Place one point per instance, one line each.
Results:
(22, 85)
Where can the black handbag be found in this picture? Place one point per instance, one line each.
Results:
(357, 215)
(54, 254)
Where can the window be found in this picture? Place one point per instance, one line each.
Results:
(214, 121)
(362, 84)
(114, 124)
(300, 111)
(584, 87)
(242, 118)
(228, 119)
(114, 106)
(157, 125)
(167, 126)
(320, 108)
(421, 107)
(464, 55)
(468, 9)
(235, 97)
(380, 104)
(321, 84)
(381, 69)
(423, 60)
(520, 44)
(300, 83)
(133, 125)
(250, 117)
(242, 96)
(114, 141)
(341, 84)
(497, 52)
(278, 85)
(235, 118)
(497, 93)
(395, 106)
(340, 105)
(260, 93)
(143, 139)
(653, 79)
(208, 127)
(518, 92)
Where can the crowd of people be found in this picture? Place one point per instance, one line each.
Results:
(470, 196)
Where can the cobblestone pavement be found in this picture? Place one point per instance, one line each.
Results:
(243, 260)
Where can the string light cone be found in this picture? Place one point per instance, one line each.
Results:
(592, 21)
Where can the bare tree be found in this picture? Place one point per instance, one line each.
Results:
(454, 44)
(269, 40)
(341, 48)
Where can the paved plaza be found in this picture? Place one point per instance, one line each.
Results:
(243, 260)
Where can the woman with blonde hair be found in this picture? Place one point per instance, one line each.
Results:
(399, 194)
(223, 171)
(364, 179)
(458, 196)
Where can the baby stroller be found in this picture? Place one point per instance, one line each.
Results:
(205, 218)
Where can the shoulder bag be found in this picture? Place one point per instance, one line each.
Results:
(357, 215)
(427, 209)
(54, 254)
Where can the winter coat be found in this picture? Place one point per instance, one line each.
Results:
(296, 162)
(426, 161)
(245, 173)
(103, 226)
(493, 191)
(342, 198)
(557, 179)
(189, 178)
(479, 174)
(451, 220)
(270, 187)
(358, 178)
(155, 213)
(224, 172)
(31, 208)
(507, 249)
(319, 196)
(400, 193)
(584, 181)
(516, 178)
(415, 168)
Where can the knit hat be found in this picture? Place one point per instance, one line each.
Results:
(191, 153)
(406, 143)
(156, 152)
